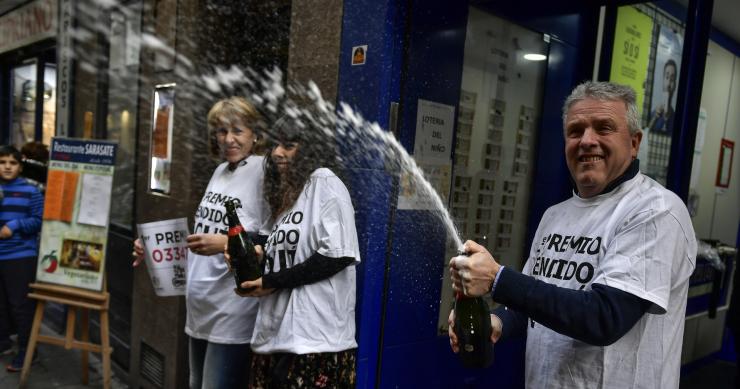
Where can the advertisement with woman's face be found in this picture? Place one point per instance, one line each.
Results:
(665, 80)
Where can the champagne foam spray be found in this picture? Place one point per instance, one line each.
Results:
(374, 146)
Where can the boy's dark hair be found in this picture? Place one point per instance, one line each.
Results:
(8, 150)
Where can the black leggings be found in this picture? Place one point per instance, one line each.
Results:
(16, 309)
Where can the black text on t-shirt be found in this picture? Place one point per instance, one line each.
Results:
(285, 238)
(214, 216)
(578, 267)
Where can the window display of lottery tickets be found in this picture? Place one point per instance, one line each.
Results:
(497, 122)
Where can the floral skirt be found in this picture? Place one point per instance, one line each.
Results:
(317, 370)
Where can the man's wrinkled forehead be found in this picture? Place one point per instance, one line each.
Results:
(602, 110)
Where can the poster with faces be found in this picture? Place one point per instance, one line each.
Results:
(665, 80)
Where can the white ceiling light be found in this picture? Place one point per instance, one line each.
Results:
(535, 57)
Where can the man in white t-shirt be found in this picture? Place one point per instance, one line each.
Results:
(602, 296)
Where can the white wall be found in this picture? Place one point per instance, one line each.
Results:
(718, 212)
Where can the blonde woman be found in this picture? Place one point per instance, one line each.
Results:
(220, 323)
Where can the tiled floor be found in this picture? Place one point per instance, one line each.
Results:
(57, 368)
(60, 368)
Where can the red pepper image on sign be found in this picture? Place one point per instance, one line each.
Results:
(49, 261)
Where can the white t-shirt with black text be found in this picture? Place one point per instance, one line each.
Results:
(318, 317)
(214, 312)
(637, 238)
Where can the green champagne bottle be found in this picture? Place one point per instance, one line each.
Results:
(244, 263)
(473, 330)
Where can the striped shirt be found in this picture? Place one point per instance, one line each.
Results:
(21, 208)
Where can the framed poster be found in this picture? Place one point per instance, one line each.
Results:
(724, 168)
(74, 230)
(160, 152)
(665, 80)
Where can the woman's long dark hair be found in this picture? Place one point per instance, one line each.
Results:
(316, 149)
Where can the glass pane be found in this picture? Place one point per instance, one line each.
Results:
(23, 84)
(50, 103)
(125, 32)
(660, 87)
(658, 133)
(497, 124)
(497, 127)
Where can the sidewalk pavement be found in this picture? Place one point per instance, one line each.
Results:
(57, 368)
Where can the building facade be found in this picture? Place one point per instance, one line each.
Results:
(86, 69)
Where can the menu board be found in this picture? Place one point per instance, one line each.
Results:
(74, 232)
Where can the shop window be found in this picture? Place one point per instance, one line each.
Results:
(498, 112)
(499, 108)
(123, 94)
(663, 46)
(50, 103)
(23, 85)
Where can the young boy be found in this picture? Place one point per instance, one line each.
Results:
(21, 208)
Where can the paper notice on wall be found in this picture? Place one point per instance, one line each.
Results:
(95, 201)
(166, 255)
(432, 153)
(434, 125)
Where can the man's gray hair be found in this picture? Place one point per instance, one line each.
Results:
(609, 92)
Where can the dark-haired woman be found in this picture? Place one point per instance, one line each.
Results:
(305, 330)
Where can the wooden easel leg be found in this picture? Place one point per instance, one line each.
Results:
(35, 328)
(70, 335)
(105, 343)
(74, 299)
(85, 337)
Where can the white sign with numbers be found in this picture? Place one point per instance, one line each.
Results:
(166, 255)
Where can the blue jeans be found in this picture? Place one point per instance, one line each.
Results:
(219, 366)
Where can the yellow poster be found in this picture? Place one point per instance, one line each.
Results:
(631, 50)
